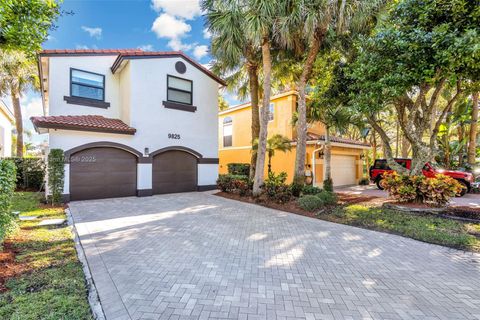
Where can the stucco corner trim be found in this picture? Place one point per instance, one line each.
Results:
(207, 187)
(144, 192)
(208, 161)
(107, 144)
(65, 198)
(179, 148)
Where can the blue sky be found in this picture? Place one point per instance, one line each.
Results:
(156, 25)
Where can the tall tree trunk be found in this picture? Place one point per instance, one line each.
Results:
(472, 141)
(461, 135)
(405, 147)
(17, 111)
(262, 139)
(328, 154)
(253, 87)
(374, 146)
(301, 148)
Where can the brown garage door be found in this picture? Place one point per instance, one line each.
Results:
(99, 173)
(174, 171)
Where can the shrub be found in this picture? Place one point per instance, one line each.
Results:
(56, 173)
(8, 178)
(309, 189)
(275, 188)
(420, 189)
(30, 173)
(364, 181)
(327, 198)
(310, 202)
(242, 169)
(296, 189)
(230, 182)
(328, 185)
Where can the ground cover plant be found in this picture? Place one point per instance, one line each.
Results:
(40, 276)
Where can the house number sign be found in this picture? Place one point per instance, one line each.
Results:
(173, 136)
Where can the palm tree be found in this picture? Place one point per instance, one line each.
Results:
(304, 30)
(276, 143)
(236, 56)
(17, 74)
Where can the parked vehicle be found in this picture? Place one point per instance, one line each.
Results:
(430, 170)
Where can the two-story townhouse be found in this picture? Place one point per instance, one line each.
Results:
(130, 123)
(7, 121)
(235, 143)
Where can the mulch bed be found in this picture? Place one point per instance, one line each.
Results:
(464, 212)
(9, 267)
(290, 206)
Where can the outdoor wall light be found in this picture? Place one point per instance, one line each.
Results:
(321, 154)
(146, 152)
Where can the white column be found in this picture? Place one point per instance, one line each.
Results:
(144, 176)
(207, 174)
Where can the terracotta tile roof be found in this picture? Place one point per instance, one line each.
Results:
(83, 123)
(166, 54)
(315, 137)
(90, 51)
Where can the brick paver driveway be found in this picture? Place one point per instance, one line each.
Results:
(196, 255)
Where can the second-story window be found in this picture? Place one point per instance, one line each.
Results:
(179, 90)
(86, 84)
(271, 111)
(227, 132)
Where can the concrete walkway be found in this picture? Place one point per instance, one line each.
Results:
(199, 256)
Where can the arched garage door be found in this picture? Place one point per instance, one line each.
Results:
(102, 172)
(174, 171)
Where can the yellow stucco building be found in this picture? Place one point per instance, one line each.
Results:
(235, 143)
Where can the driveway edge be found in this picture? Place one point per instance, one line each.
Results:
(93, 298)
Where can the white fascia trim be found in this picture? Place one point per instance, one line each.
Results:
(234, 148)
(338, 144)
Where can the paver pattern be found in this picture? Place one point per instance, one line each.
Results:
(199, 256)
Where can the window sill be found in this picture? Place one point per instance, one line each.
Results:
(87, 102)
(179, 106)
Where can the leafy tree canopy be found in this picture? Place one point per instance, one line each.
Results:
(24, 24)
(423, 43)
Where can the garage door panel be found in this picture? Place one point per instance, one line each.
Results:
(102, 173)
(343, 170)
(174, 171)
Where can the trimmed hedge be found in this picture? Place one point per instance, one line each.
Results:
(8, 177)
(309, 189)
(30, 173)
(310, 202)
(56, 174)
(242, 169)
(232, 182)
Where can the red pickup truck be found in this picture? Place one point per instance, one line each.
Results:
(429, 170)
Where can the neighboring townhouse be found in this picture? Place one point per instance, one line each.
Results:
(131, 123)
(7, 122)
(235, 143)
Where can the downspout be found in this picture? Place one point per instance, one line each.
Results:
(314, 175)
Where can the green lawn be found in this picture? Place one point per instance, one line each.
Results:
(430, 229)
(51, 284)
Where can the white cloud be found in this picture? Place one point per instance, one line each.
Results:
(207, 34)
(167, 26)
(31, 107)
(186, 9)
(94, 32)
(146, 47)
(85, 47)
(200, 51)
(178, 45)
